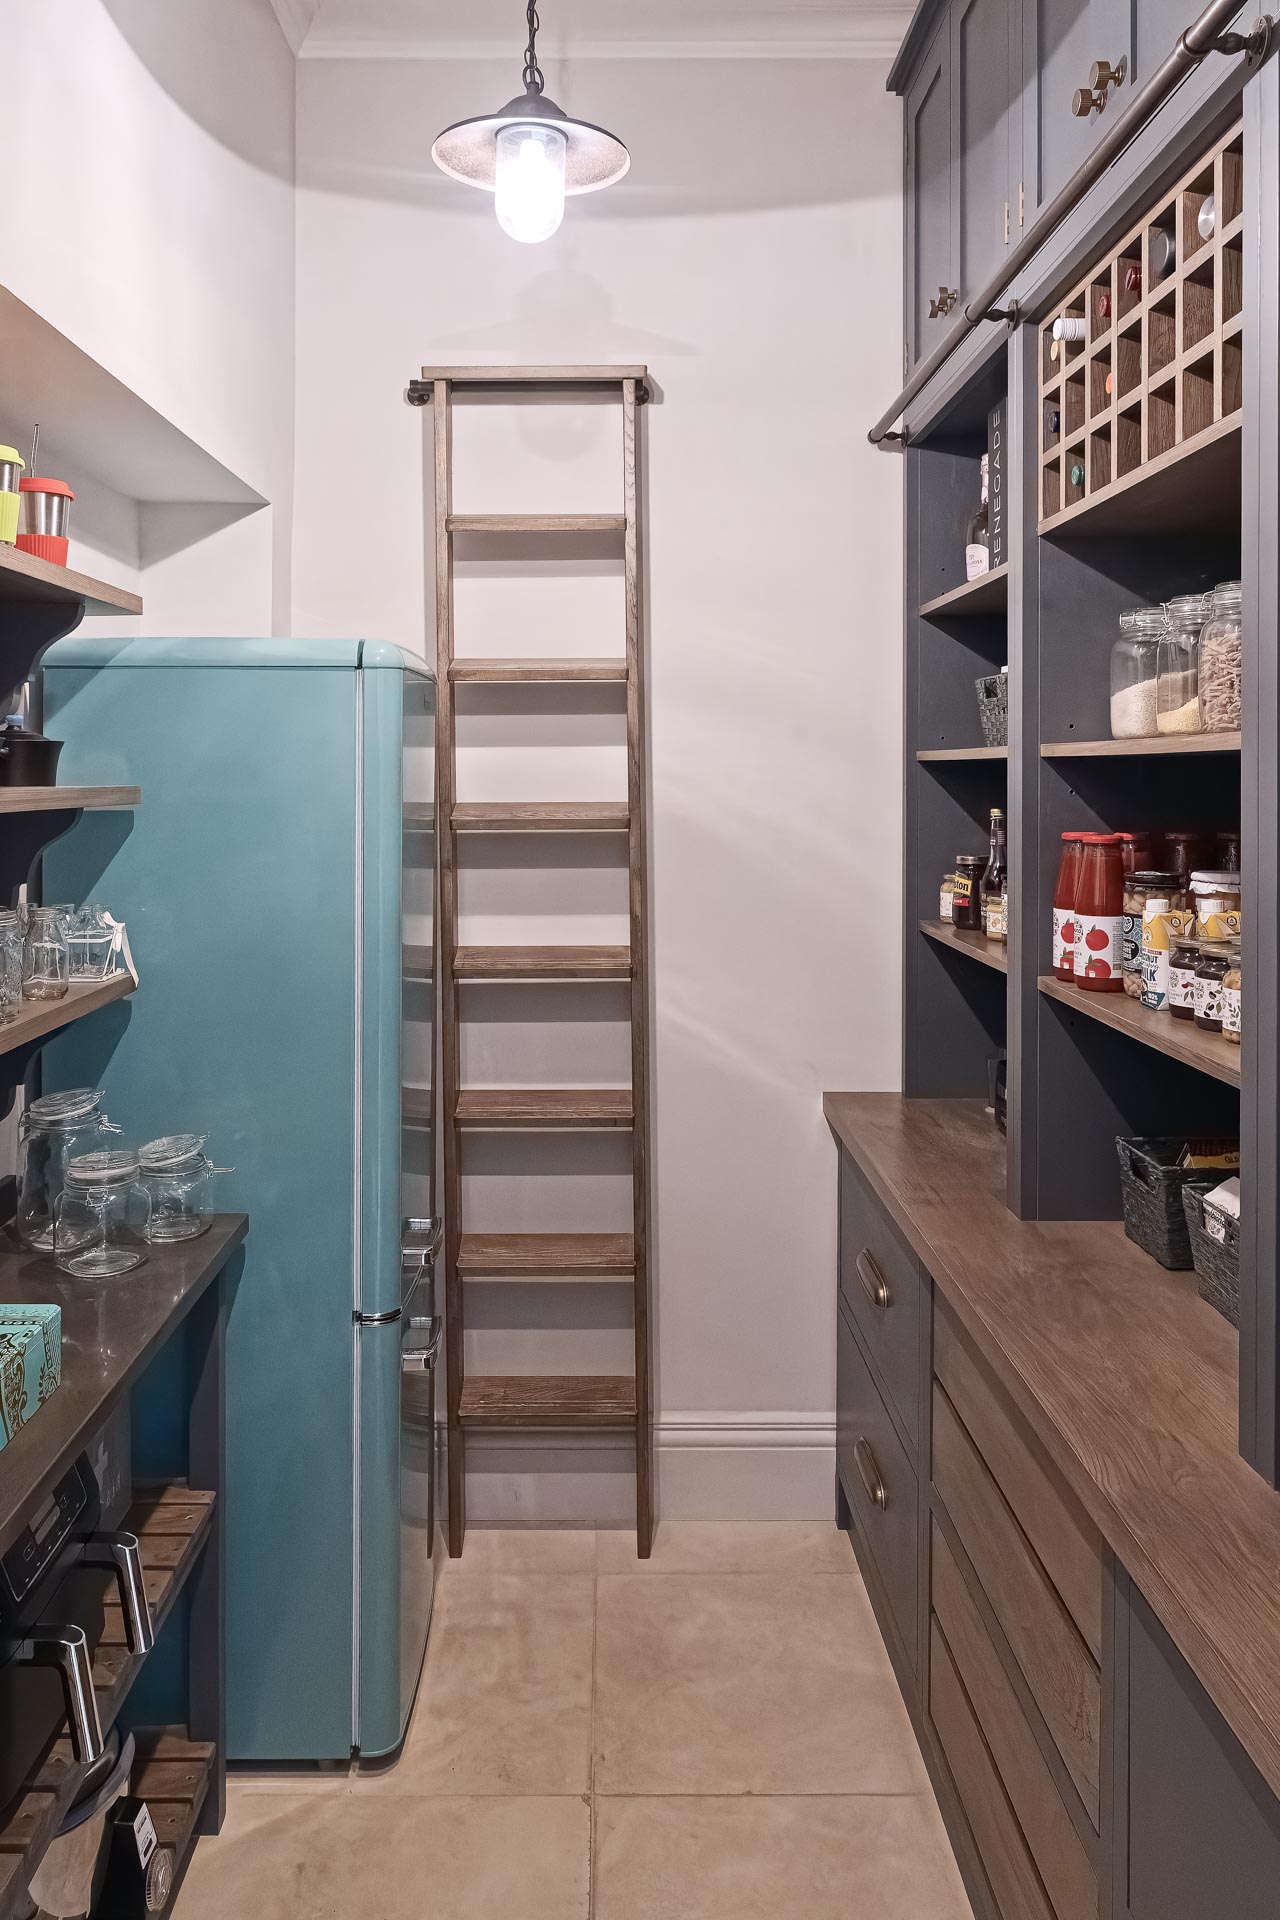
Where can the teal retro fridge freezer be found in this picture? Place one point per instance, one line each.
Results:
(277, 881)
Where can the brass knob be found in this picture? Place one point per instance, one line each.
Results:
(1083, 102)
(1103, 76)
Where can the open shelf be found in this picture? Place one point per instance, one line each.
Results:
(415, 1107)
(963, 753)
(990, 953)
(1131, 749)
(541, 816)
(1179, 1039)
(537, 523)
(24, 577)
(172, 1774)
(35, 1018)
(417, 963)
(535, 1256)
(58, 799)
(499, 673)
(542, 963)
(989, 593)
(1193, 488)
(419, 816)
(555, 1400)
(501, 1108)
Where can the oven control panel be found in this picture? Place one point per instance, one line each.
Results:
(42, 1539)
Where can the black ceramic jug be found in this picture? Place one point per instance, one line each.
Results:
(27, 759)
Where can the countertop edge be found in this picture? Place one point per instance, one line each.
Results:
(1194, 1637)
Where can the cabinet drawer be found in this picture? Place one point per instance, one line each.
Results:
(1065, 1540)
(1006, 1858)
(1055, 1661)
(1060, 1856)
(881, 1285)
(880, 1485)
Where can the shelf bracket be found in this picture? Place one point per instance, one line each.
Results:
(1011, 314)
(418, 393)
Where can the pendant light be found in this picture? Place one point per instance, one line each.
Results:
(530, 154)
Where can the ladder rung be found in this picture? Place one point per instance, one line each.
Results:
(514, 672)
(532, 1255)
(542, 963)
(520, 1107)
(537, 523)
(542, 816)
(548, 1400)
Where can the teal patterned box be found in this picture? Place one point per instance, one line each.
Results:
(30, 1363)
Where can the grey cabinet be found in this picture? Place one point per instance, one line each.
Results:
(986, 53)
(932, 194)
(1063, 39)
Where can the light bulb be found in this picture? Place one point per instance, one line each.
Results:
(530, 182)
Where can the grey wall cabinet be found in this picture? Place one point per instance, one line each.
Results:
(986, 56)
(1063, 39)
(931, 195)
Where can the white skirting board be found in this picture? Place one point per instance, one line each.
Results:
(710, 1466)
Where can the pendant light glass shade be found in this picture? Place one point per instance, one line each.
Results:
(528, 153)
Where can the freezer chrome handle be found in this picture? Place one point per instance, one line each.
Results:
(421, 1237)
(67, 1649)
(123, 1555)
(423, 1359)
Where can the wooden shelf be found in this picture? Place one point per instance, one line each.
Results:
(535, 1256)
(963, 753)
(989, 593)
(172, 1774)
(537, 523)
(990, 953)
(61, 799)
(516, 379)
(417, 963)
(542, 963)
(38, 1017)
(521, 1107)
(541, 816)
(1179, 1039)
(419, 816)
(415, 1107)
(521, 672)
(23, 577)
(1131, 749)
(1194, 488)
(557, 1400)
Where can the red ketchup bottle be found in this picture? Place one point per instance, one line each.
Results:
(1098, 953)
(1064, 907)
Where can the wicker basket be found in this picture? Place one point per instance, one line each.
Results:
(1217, 1261)
(993, 708)
(1153, 1184)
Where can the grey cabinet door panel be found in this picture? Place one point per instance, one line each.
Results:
(881, 1288)
(981, 58)
(1203, 1828)
(1063, 39)
(930, 194)
(879, 1484)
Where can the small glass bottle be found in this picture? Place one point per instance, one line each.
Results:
(977, 548)
(1135, 675)
(1222, 660)
(947, 899)
(994, 875)
(1178, 658)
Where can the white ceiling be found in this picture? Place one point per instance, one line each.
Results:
(582, 29)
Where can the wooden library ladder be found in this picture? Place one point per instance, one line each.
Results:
(572, 1400)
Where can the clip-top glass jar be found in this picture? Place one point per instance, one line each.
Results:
(10, 965)
(54, 1130)
(1222, 660)
(1135, 674)
(102, 1216)
(1178, 694)
(178, 1177)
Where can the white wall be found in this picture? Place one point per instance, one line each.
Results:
(752, 259)
(148, 217)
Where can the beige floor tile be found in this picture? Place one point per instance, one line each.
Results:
(351, 1858)
(696, 1546)
(505, 1701)
(875, 1858)
(526, 1550)
(746, 1683)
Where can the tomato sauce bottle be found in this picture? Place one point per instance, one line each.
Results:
(1064, 906)
(1098, 953)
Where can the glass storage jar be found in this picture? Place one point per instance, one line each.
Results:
(1135, 675)
(1214, 965)
(102, 1216)
(46, 964)
(1178, 654)
(1221, 656)
(178, 1177)
(1231, 1011)
(1217, 899)
(1184, 958)
(1162, 892)
(54, 1130)
(90, 944)
(10, 966)
(966, 896)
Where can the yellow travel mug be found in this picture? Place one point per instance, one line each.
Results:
(11, 466)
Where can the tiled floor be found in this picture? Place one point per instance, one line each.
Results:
(712, 1735)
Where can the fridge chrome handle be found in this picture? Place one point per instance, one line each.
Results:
(423, 1359)
(421, 1237)
(123, 1555)
(67, 1649)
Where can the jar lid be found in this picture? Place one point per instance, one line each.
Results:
(1100, 839)
(108, 1167)
(1149, 621)
(1225, 589)
(1210, 880)
(971, 859)
(171, 1150)
(1218, 949)
(1073, 836)
(60, 1109)
(1153, 878)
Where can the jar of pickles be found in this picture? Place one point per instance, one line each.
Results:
(1184, 958)
(1216, 957)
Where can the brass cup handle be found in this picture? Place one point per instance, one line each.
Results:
(869, 1474)
(874, 1284)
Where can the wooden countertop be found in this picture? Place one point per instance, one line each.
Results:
(110, 1330)
(1123, 1371)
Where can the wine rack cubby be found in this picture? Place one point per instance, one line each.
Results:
(1156, 369)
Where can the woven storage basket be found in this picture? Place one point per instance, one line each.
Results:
(1152, 1183)
(993, 708)
(1217, 1262)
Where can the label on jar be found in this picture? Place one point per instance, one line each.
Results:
(1161, 927)
(1098, 950)
(1064, 938)
(1182, 986)
(993, 916)
(1208, 1000)
(1231, 1010)
(1131, 943)
(961, 892)
(977, 561)
(946, 904)
(1218, 921)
